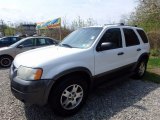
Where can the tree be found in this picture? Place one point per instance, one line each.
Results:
(79, 23)
(147, 15)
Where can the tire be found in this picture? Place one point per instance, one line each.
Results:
(140, 69)
(5, 61)
(66, 101)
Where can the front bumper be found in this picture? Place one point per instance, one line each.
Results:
(30, 92)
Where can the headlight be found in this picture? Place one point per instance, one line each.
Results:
(29, 73)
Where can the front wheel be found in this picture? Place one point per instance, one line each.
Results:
(68, 96)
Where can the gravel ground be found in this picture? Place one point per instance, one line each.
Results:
(130, 100)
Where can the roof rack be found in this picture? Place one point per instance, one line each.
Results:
(121, 24)
(114, 24)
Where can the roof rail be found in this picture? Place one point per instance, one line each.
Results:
(121, 24)
(114, 24)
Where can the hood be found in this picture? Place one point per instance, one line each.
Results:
(3, 48)
(40, 56)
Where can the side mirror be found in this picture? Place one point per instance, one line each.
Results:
(106, 46)
(20, 46)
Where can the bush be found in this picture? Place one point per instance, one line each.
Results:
(154, 39)
(155, 53)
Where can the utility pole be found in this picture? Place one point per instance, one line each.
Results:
(2, 27)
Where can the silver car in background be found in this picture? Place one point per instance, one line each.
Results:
(7, 54)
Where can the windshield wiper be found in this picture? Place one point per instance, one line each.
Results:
(66, 45)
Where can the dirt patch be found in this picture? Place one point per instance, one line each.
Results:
(155, 70)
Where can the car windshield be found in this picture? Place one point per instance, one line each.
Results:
(81, 38)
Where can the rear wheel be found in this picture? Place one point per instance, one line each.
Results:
(140, 69)
(5, 61)
(68, 96)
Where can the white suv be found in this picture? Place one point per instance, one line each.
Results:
(63, 75)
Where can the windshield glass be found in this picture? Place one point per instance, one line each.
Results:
(82, 38)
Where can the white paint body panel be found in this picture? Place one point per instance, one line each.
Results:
(55, 59)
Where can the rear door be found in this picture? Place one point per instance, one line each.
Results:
(41, 42)
(132, 45)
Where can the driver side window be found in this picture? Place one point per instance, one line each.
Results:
(112, 36)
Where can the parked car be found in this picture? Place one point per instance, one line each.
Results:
(7, 41)
(63, 75)
(7, 54)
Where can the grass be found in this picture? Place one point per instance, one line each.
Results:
(154, 62)
(153, 70)
(153, 77)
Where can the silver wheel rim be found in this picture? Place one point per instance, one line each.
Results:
(5, 62)
(142, 68)
(71, 97)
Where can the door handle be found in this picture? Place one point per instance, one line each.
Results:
(32, 48)
(139, 49)
(120, 53)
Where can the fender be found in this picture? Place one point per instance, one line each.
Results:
(144, 55)
(140, 57)
(66, 72)
(76, 69)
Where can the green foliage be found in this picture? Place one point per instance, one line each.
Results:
(9, 31)
(155, 53)
(154, 38)
(153, 70)
(147, 15)
(154, 62)
(79, 23)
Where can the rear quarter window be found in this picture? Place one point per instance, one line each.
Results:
(143, 36)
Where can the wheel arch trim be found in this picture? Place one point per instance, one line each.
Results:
(55, 79)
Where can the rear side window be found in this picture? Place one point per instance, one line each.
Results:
(143, 36)
(130, 37)
(50, 42)
(41, 41)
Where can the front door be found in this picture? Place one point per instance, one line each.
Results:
(28, 44)
(113, 58)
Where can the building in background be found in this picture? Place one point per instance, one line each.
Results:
(26, 29)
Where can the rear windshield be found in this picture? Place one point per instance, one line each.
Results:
(143, 36)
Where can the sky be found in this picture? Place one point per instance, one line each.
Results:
(102, 11)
